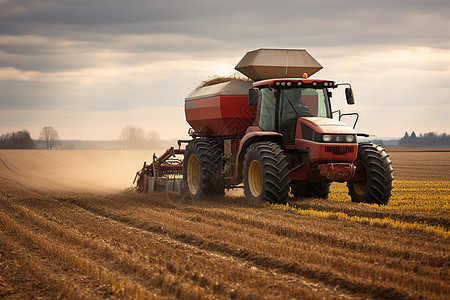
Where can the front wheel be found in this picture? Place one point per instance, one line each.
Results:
(374, 166)
(266, 173)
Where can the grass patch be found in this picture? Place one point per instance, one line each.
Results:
(432, 197)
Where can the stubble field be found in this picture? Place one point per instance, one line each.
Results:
(70, 228)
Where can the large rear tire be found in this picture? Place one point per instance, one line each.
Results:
(266, 173)
(373, 163)
(202, 169)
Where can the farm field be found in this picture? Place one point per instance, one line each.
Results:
(71, 228)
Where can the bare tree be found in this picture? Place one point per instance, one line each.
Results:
(132, 137)
(153, 139)
(50, 136)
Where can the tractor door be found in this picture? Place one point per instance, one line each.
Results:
(287, 115)
(291, 107)
(267, 112)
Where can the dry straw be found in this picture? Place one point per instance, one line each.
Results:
(216, 79)
(438, 230)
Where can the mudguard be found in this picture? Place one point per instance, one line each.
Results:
(254, 134)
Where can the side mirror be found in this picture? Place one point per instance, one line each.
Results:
(349, 96)
(253, 97)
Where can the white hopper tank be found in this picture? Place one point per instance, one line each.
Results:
(264, 63)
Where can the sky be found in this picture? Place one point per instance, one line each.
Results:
(90, 68)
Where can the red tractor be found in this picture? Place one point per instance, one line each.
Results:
(275, 134)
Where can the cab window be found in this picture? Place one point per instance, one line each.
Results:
(267, 110)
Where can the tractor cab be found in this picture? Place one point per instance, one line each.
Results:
(288, 102)
(281, 102)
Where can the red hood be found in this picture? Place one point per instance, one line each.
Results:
(326, 125)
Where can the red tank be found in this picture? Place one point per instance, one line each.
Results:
(220, 109)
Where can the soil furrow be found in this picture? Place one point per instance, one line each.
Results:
(298, 230)
(21, 262)
(257, 259)
(69, 228)
(202, 280)
(71, 259)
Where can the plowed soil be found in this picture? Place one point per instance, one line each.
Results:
(70, 228)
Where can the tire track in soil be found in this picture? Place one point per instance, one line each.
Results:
(228, 211)
(183, 245)
(140, 199)
(393, 266)
(438, 260)
(291, 231)
(44, 278)
(71, 260)
(96, 249)
(17, 173)
(261, 261)
(221, 238)
(6, 166)
(286, 277)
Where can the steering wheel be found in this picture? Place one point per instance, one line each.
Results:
(304, 111)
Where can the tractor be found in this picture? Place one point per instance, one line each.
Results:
(273, 135)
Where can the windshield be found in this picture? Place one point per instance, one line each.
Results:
(304, 102)
(280, 108)
(293, 103)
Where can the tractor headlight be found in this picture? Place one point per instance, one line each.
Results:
(336, 138)
(326, 138)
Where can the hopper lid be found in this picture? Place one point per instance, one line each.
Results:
(263, 64)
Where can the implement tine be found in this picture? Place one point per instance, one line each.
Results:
(139, 172)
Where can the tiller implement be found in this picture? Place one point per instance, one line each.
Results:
(164, 173)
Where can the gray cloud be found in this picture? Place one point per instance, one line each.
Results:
(111, 55)
(55, 35)
(231, 20)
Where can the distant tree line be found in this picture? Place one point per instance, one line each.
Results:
(429, 139)
(17, 140)
(22, 139)
(133, 137)
(378, 142)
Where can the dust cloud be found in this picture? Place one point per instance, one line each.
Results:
(98, 171)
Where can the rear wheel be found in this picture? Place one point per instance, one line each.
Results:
(266, 173)
(201, 168)
(372, 164)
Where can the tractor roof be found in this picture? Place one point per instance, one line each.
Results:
(277, 63)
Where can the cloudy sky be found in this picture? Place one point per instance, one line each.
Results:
(89, 68)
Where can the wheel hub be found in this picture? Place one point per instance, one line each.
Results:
(193, 174)
(255, 182)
